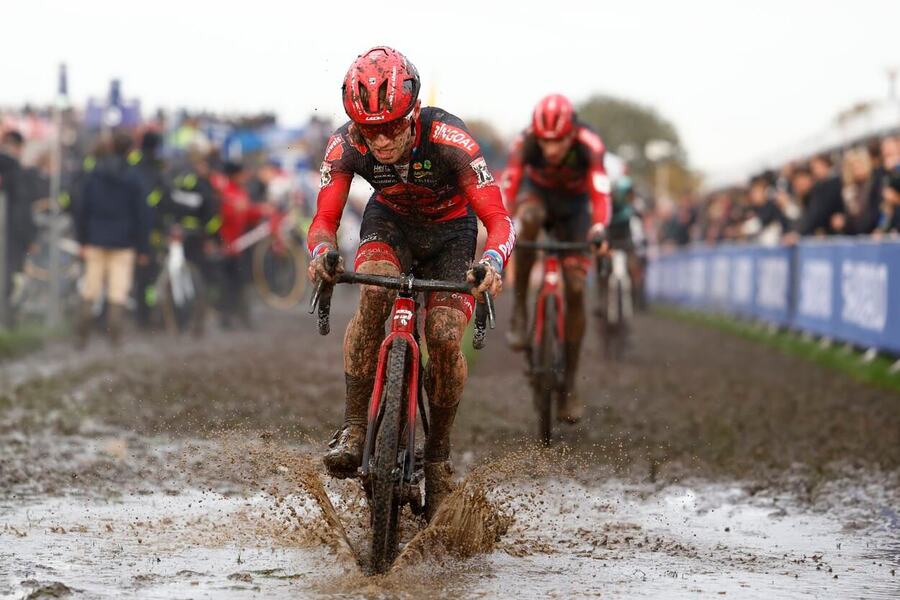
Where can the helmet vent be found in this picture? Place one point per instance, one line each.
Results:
(382, 96)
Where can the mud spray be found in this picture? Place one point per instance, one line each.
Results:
(472, 521)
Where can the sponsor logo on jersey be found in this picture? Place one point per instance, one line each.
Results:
(453, 136)
(482, 172)
(325, 171)
(507, 246)
(335, 148)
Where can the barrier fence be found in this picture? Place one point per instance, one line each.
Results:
(841, 288)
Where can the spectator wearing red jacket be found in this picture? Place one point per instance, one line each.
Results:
(239, 214)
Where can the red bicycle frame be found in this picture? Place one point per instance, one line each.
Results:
(403, 326)
(551, 286)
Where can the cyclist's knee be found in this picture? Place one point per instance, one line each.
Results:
(444, 327)
(375, 302)
(575, 275)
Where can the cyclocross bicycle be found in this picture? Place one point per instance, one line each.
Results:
(392, 467)
(545, 353)
(615, 306)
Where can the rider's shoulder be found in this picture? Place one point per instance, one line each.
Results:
(590, 139)
(431, 114)
(447, 131)
(341, 145)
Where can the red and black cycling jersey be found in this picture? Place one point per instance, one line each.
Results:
(580, 172)
(446, 175)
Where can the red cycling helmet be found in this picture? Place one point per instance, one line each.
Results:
(381, 86)
(554, 117)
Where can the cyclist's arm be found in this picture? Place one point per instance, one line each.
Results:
(512, 175)
(484, 195)
(322, 235)
(597, 180)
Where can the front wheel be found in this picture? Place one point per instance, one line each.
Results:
(384, 504)
(544, 381)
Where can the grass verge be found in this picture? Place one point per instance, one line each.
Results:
(24, 339)
(836, 357)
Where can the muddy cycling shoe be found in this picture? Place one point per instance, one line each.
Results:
(516, 336)
(570, 408)
(438, 485)
(345, 451)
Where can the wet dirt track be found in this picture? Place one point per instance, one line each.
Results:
(707, 466)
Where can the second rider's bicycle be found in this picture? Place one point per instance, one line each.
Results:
(391, 465)
(546, 354)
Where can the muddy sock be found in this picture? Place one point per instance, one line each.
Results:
(359, 391)
(437, 446)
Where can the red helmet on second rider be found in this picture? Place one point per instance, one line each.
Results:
(554, 117)
(380, 87)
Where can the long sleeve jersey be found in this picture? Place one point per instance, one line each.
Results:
(581, 171)
(446, 175)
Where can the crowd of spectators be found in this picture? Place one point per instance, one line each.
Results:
(853, 191)
(123, 186)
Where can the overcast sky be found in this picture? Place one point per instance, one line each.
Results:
(737, 79)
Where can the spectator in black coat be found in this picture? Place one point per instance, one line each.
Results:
(20, 228)
(112, 228)
(825, 199)
(889, 220)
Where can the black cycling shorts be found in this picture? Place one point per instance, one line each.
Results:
(568, 217)
(426, 249)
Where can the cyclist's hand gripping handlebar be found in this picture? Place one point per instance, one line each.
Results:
(322, 294)
(484, 311)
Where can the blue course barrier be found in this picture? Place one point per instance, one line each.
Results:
(841, 288)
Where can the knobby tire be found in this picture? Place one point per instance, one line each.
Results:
(545, 383)
(385, 503)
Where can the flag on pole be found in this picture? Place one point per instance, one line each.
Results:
(63, 82)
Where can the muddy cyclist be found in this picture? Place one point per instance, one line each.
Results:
(431, 182)
(555, 179)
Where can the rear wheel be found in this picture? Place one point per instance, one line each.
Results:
(385, 472)
(279, 273)
(544, 382)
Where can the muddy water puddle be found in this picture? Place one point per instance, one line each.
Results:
(566, 539)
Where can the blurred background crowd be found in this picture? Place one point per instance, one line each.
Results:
(851, 191)
(218, 183)
(127, 182)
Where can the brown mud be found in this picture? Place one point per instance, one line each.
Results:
(191, 468)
